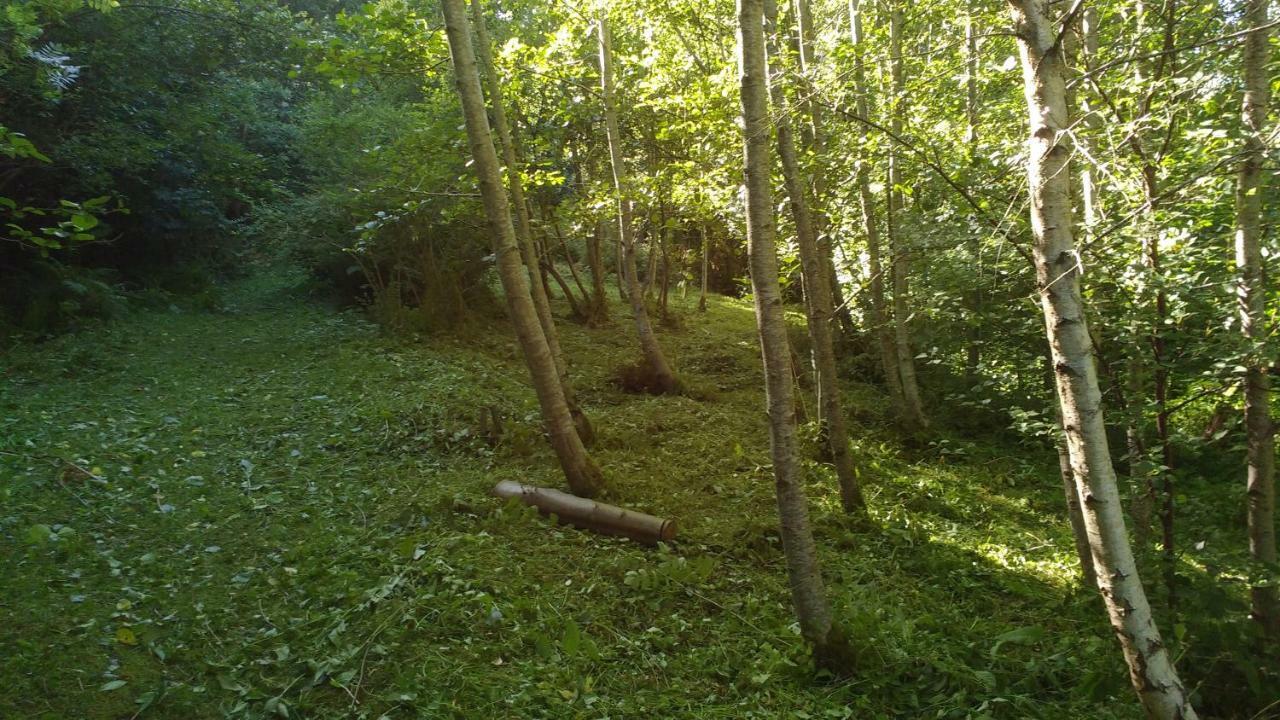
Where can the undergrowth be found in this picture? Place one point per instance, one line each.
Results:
(276, 511)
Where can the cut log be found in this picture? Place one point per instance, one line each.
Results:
(589, 514)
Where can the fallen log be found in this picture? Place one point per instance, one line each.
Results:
(589, 514)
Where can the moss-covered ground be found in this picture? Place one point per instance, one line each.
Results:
(276, 511)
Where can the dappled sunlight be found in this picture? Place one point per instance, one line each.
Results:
(941, 337)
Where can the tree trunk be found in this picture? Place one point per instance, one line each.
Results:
(596, 301)
(818, 146)
(1149, 160)
(808, 593)
(574, 308)
(663, 377)
(524, 232)
(666, 278)
(1070, 491)
(1058, 277)
(589, 514)
(1088, 181)
(539, 256)
(973, 326)
(580, 470)
(595, 259)
(1075, 511)
(1251, 301)
(664, 240)
(549, 216)
(879, 314)
(817, 294)
(651, 261)
(912, 410)
(620, 263)
(1160, 376)
(702, 296)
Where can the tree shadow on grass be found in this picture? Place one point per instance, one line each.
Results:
(940, 627)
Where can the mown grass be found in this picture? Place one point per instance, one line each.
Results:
(289, 517)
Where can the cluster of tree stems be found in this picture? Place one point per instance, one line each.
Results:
(782, 120)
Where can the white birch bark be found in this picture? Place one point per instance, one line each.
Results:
(1058, 277)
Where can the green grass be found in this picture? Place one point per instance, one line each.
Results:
(293, 520)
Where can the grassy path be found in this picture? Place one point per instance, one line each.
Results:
(288, 517)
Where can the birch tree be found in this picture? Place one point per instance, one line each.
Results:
(879, 314)
(524, 228)
(1058, 267)
(663, 377)
(912, 409)
(1251, 303)
(816, 140)
(817, 283)
(808, 593)
(580, 470)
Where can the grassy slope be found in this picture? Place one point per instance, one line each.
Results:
(295, 520)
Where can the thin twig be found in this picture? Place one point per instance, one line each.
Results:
(1189, 46)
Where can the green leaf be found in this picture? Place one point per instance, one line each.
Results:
(39, 533)
(226, 682)
(15, 145)
(542, 646)
(1020, 636)
(145, 701)
(84, 221)
(571, 639)
(113, 685)
(1025, 635)
(277, 705)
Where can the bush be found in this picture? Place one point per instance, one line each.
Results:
(45, 297)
